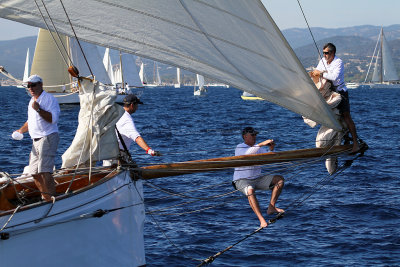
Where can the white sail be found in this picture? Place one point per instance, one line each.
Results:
(178, 78)
(389, 71)
(158, 78)
(26, 70)
(258, 60)
(142, 75)
(108, 65)
(200, 81)
(93, 58)
(130, 71)
(384, 69)
(49, 64)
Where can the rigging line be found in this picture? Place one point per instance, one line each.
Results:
(372, 58)
(312, 35)
(76, 37)
(50, 32)
(213, 257)
(9, 219)
(161, 229)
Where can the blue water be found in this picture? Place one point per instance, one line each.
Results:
(352, 220)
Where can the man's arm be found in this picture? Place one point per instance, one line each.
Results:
(24, 128)
(47, 116)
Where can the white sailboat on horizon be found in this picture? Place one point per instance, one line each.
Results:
(384, 74)
(200, 90)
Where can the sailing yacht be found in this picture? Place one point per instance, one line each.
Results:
(384, 74)
(100, 211)
(201, 90)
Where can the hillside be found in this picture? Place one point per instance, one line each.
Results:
(355, 46)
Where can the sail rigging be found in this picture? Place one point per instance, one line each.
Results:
(266, 65)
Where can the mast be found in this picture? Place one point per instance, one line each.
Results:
(381, 80)
(120, 67)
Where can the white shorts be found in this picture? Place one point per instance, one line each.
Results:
(261, 183)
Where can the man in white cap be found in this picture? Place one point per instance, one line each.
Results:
(249, 179)
(126, 127)
(43, 114)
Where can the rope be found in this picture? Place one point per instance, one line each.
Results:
(48, 28)
(309, 29)
(213, 257)
(76, 37)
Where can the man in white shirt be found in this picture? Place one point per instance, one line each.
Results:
(43, 114)
(126, 127)
(249, 179)
(331, 68)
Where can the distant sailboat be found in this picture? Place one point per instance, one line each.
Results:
(385, 73)
(156, 77)
(201, 90)
(248, 96)
(178, 78)
(50, 65)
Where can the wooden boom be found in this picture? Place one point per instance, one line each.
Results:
(215, 164)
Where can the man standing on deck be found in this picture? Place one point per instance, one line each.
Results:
(249, 179)
(126, 127)
(331, 68)
(43, 114)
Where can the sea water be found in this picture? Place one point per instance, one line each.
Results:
(353, 219)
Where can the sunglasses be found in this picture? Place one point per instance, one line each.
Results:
(326, 53)
(30, 85)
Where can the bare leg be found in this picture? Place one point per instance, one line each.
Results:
(352, 128)
(277, 182)
(45, 183)
(256, 208)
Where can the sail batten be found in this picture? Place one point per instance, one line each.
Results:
(246, 50)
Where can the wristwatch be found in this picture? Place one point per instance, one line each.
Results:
(38, 110)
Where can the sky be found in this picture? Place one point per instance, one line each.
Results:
(287, 14)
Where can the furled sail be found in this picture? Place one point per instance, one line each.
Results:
(236, 43)
(95, 137)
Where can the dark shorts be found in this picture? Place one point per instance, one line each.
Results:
(344, 105)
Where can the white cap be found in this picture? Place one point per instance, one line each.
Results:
(34, 79)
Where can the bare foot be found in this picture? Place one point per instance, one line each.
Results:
(355, 149)
(272, 210)
(264, 224)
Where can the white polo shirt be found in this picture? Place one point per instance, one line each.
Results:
(127, 129)
(251, 172)
(335, 72)
(37, 126)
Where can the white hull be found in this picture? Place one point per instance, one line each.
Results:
(66, 237)
(384, 86)
(177, 85)
(199, 92)
(67, 98)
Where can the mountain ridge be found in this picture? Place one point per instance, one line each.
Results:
(354, 44)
